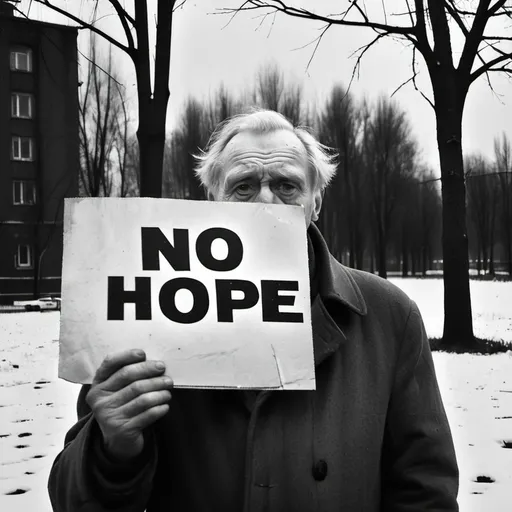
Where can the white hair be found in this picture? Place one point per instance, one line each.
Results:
(208, 169)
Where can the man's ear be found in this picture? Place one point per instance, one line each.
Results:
(317, 206)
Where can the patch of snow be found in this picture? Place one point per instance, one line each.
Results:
(491, 303)
(477, 395)
(37, 409)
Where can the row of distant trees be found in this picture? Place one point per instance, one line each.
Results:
(489, 197)
(383, 209)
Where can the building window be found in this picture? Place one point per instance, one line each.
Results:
(21, 59)
(24, 256)
(23, 192)
(22, 148)
(22, 105)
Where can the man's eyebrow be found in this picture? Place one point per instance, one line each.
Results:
(239, 175)
(282, 174)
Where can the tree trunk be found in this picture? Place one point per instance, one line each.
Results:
(414, 263)
(491, 258)
(405, 255)
(152, 105)
(381, 254)
(151, 148)
(424, 258)
(458, 323)
(509, 256)
(359, 253)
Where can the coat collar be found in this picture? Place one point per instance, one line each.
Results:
(334, 279)
(336, 285)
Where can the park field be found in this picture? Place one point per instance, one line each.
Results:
(36, 408)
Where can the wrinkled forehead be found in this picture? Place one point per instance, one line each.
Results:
(268, 149)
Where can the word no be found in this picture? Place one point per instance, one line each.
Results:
(154, 243)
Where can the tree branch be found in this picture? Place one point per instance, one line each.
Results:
(363, 49)
(279, 6)
(474, 38)
(489, 66)
(100, 68)
(413, 80)
(452, 11)
(163, 47)
(496, 7)
(441, 33)
(84, 25)
(125, 13)
(421, 30)
(497, 38)
(451, 8)
(142, 66)
(123, 17)
(317, 40)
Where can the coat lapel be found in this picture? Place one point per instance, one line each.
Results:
(335, 281)
(327, 334)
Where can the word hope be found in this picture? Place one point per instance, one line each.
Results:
(154, 243)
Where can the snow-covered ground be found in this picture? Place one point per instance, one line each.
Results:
(491, 303)
(36, 408)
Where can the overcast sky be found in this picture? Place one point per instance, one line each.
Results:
(207, 50)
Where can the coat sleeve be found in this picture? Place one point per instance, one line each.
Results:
(84, 479)
(419, 468)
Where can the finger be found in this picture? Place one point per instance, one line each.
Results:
(145, 402)
(131, 373)
(140, 387)
(148, 417)
(113, 362)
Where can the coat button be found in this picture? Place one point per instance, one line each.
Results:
(320, 470)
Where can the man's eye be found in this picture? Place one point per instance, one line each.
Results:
(287, 188)
(243, 189)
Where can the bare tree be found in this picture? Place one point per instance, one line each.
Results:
(122, 144)
(503, 165)
(186, 141)
(131, 175)
(407, 237)
(483, 190)
(428, 26)
(419, 221)
(431, 217)
(271, 91)
(389, 156)
(292, 104)
(343, 208)
(103, 126)
(222, 106)
(152, 100)
(197, 122)
(269, 87)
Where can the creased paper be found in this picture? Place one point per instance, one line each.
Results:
(218, 291)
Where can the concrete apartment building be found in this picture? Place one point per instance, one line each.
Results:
(39, 151)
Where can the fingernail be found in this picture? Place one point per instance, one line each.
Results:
(139, 353)
(160, 366)
(168, 381)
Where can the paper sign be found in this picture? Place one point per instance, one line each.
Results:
(218, 291)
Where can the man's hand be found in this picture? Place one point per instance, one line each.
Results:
(127, 395)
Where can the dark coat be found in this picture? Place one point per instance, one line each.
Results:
(372, 437)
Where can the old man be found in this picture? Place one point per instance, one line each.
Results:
(372, 437)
